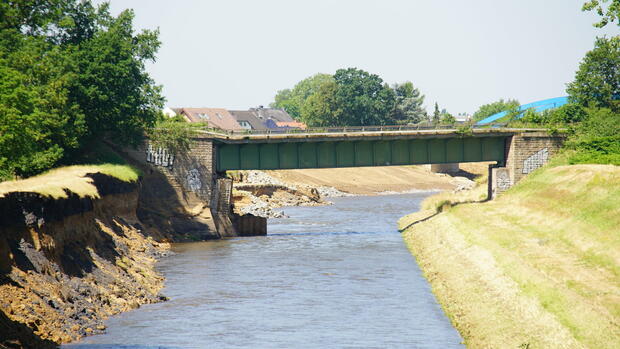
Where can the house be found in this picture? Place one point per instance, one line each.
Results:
(277, 115)
(248, 120)
(169, 112)
(214, 117)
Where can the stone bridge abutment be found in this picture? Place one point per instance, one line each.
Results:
(524, 153)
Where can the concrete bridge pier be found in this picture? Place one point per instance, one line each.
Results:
(524, 153)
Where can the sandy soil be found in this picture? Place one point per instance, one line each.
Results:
(371, 180)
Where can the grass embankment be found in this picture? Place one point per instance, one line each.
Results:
(55, 182)
(539, 267)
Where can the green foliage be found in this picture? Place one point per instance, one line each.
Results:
(173, 134)
(409, 100)
(294, 100)
(351, 97)
(436, 115)
(609, 13)
(447, 119)
(363, 98)
(494, 108)
(600, 150)
(597, 138)
(321, 108)
(70, 74)
(567, 114)
(465, 130)
(597, 82)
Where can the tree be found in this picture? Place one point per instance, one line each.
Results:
(436, 115)
(363, 98)
(409, 102)
(321, 108)
(447, 119)
(293, 100)
(113, 88)
(597, 82)
(487, 110)
(609, 13)
(70, 73)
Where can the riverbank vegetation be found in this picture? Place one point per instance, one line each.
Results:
(538, 267)
(71, 75)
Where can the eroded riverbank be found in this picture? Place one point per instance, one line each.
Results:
(328, 276)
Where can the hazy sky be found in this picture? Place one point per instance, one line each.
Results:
(236, 54)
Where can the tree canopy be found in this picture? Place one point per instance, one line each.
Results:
(351, 97)
(70, 73)
(487, 110)
(597, 82)
(409, 104)
(609, 12)
(293, 100)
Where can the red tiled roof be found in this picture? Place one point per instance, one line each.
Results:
(215, 117)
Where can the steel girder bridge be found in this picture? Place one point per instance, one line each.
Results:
(358, 147)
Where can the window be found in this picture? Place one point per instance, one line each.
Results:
(204, 116)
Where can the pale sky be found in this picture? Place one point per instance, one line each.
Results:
(236, 54)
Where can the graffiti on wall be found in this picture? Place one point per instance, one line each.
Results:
(503, 180)
(193, 180)
(159, 157)
(535, 161)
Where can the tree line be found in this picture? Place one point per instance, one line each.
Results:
(351, 97)
(70, 74)
(73, 75)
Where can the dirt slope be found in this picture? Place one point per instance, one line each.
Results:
(370, 180)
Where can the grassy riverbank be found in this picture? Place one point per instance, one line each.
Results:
(539, 267)
(73, 178)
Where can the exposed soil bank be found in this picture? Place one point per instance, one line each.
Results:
(539, 267)
(68, 263)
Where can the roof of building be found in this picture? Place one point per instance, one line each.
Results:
(215, 117)
(291, 124)
(272, 113)
(250, 117)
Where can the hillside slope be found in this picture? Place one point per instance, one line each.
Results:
(537, 268)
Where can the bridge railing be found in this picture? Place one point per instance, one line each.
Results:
(348, 129)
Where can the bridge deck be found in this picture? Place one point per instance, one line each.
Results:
(358, 133)
(360, 148)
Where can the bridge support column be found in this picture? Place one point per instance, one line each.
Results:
(525, 152)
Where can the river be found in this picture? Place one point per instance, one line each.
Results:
(335, 276)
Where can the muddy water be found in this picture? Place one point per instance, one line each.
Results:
(327, 277)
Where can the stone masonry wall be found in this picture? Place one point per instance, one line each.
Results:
(193, 171)
(177, 189)
(525, 153)
(529, 151)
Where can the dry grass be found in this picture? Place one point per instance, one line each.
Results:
(538, 267)
(73, 178)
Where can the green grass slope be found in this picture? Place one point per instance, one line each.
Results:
(539, 267)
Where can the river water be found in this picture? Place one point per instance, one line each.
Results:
(334, 276)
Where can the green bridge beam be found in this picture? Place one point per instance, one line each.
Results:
(299, 153)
